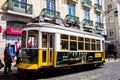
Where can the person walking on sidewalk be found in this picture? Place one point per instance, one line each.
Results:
(115, 53)
(1, 64)
(10, 51)
(112, 51)
(18, 56)
(7, 60)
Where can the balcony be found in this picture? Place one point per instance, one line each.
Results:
(87, 3)
(99, 25)
(47, 13)
(74, 0)
(88, 23)
(72, 18)
(21, 7)
(98, 7)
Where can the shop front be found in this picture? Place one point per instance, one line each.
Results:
(13, 37)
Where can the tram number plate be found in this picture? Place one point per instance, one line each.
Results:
(97, 55)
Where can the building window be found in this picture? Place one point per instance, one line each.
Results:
(97, 1)
(20, 3)
(71, 9)
(109, 7)
(98, 18)
(50, 4)
(87, 14)
(110, 19)
(111, 33)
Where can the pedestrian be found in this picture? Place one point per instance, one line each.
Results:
(18, 55)
(115, 53)
(10, 51)
(111, 49)
(7, 60)
(1, 64)
(108, 54)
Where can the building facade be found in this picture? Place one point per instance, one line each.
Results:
(85, 15)
(113, 22)
(14, 14)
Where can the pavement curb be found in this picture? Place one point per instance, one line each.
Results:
(111, 60)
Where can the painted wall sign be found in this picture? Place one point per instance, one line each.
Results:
(14, 31)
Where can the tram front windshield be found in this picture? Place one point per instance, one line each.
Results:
(30, 46)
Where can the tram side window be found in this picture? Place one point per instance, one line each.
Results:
(80, 43)
(93, 44)
(98, 44)
(44, 40)
(24, 39)
(73, 43)
(64, 42)
(32, 39)
(87, 44)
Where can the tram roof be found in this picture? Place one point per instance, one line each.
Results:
(42, 24)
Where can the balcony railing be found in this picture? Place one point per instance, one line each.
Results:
(88, 22)
(99, 25)
(87, 2)
(73, 18)
(97, 6)
(50, 13)
(20, 7)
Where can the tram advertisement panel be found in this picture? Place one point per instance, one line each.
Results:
(77, 57)
(70, 58)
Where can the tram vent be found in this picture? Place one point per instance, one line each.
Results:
(41, 19)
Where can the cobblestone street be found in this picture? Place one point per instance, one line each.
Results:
(109, 71)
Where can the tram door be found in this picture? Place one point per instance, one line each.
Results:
(47, 52)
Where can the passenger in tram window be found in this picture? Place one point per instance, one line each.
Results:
(29, 44)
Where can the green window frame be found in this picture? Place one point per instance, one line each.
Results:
(73, 43)
(80, 43)
(87, 44)
(64, 42)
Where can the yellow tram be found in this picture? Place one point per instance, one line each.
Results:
(46, 45)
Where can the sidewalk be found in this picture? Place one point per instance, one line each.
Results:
(14, 69)
(112, 60)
